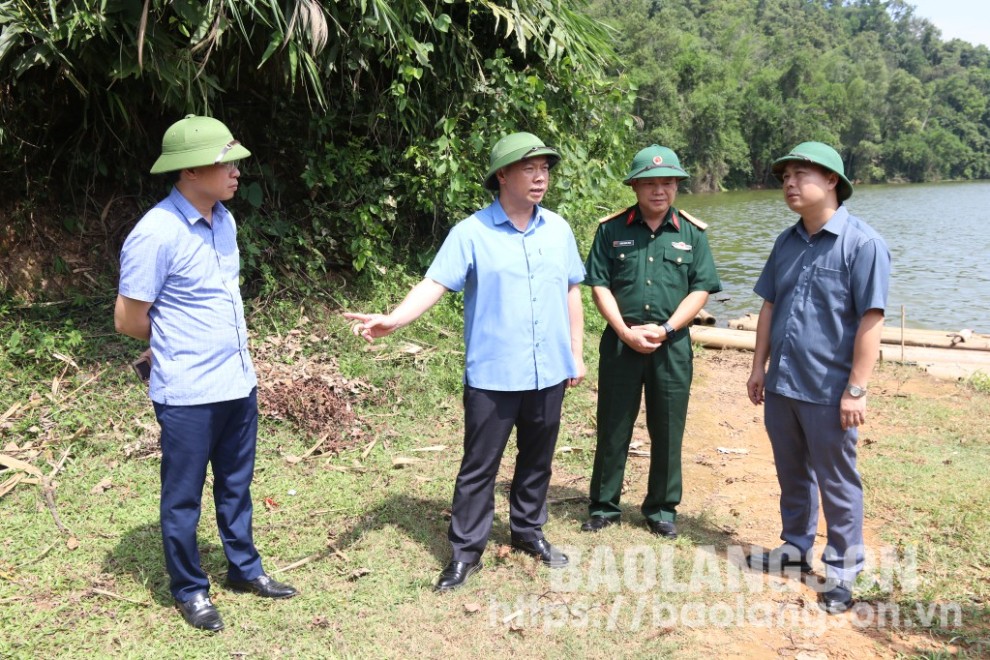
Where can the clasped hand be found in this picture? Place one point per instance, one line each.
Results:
(644, 338)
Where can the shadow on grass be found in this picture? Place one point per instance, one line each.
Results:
(425, 520)
(897, 622)
(421, 519)
(139, 555)
(570, 506)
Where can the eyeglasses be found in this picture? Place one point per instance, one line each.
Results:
(231, 165)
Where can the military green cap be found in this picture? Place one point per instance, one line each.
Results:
(197, 142)
(514, 148)
(655, 161)
(821, 154)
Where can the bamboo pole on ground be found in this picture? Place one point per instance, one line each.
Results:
(963, 340)
(940, 362)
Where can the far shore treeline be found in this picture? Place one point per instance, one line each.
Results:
(370, 121)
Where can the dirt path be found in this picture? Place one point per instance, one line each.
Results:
(736, 492)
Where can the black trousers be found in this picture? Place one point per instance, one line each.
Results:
(489, 417)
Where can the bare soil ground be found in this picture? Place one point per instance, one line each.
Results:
(737, 492)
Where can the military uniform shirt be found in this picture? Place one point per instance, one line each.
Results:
(649, 273)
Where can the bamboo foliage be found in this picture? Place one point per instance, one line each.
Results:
(304, 39)
(359, 112)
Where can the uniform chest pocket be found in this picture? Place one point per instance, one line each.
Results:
(625, 264)
(828, 289)
(676, 266)
(678, 258)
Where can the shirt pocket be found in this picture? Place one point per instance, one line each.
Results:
(676, 266)
(625, 262)
(829, 289)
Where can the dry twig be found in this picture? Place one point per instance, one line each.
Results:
(48, 490)
(110, 594)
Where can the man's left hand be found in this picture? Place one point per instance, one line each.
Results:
(852, 411)
(581, 371)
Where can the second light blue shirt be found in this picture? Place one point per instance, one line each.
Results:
(516, 322)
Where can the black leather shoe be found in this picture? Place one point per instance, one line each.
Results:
(776, 561)
(263, 586)
(838, 598)
(456, 573)
(598, 523)
(542, 550)
(199, 612)
(664, 528)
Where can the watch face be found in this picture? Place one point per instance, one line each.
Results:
(856, 391)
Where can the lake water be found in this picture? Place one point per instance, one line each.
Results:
(938, 236)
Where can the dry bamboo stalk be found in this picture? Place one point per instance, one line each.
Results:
(110, 594)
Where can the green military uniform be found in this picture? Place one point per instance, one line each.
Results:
(649, 274)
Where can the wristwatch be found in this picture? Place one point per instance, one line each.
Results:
(855, 391)
(669, 329)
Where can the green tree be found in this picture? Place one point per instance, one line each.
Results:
(369, 119)
(733, 83)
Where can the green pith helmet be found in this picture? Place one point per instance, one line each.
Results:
(197, 142)
(514, 148)
(819, 154)
(655, 161)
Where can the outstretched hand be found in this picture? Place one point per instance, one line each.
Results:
(371, 326)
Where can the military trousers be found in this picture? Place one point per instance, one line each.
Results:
(624, 378)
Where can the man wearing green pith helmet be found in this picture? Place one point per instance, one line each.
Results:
(179, 291)
(824, 290)
(651, 271)
(519, 268)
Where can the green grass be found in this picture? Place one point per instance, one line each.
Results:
(980, 382)
(367, 538)
(927, 482)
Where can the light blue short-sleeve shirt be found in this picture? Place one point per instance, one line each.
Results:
(190, 272)
(516, 322)
(820, 286)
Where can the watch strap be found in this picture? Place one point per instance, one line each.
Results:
(855, 391)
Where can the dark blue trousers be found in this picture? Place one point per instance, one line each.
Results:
(489, 417)
(222, 435)
(815, 455)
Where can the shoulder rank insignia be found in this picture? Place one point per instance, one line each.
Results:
(613, 215)
(693, 220)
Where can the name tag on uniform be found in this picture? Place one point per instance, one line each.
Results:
(623, 243)
(680, 246)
